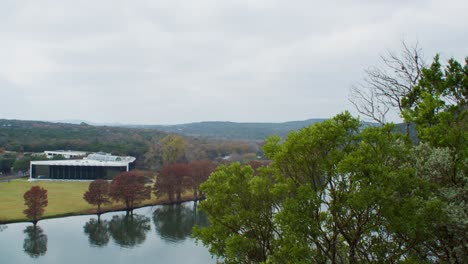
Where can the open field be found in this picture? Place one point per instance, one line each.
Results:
(65, 198)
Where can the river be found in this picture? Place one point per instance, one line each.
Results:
(155, 234)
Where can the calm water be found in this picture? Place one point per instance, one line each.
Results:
(157, 234)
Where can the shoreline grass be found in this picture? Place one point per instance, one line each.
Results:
(65, 199)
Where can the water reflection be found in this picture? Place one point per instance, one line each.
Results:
(129, 230)
(175, 222)
(35, 242)
(83, 239)
(97, 231)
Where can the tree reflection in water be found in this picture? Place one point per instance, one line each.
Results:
(175, 222)
(3, 227)
(129, 230)
(35, 242)
(97, 231)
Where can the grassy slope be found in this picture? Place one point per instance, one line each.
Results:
(65, 198)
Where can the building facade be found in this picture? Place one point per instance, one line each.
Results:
(94, 166)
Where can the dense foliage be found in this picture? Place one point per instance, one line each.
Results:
(6, 162)
(36, 136)
(338, 193)
(172, 180)
(129, 188)
(153, 149)
(98, 193)
(235, 131)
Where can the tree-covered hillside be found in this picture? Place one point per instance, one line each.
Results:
(233, 130)
(37, 136)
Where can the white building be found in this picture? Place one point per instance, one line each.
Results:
(68, 154)
(94, 166)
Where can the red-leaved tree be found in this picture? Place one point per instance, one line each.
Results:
(200, 171)
(98, 193)
(172, 180)
(130, 188)
(35, 200)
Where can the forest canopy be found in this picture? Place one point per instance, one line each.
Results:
(337, 193)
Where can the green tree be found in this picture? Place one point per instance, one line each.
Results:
(243, 231)
(22, 164)
(306, 163)
(173, 149)
(438, 106)
(6, 162)
(333, 193)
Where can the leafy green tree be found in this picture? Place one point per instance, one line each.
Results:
(382, 208)
(22, 164)
(6, 162)
(438, 106)
(306, 163)
(243, 231)
(173, 149)
(333, 193)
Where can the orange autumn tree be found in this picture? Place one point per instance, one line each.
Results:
(98, 193)
(130, 188)
(172, 180)
(200, 171)
(35, 200)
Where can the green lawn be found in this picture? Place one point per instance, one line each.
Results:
(65, 198)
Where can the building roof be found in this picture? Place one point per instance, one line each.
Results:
(95, 159)
(66, 152)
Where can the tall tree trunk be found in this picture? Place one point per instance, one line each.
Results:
(352, 253)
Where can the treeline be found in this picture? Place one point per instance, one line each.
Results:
(144, 144)
(233, 130)
(36, 136)
(178, 149)
(337, 193)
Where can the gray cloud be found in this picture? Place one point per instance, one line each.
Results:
(183, 61)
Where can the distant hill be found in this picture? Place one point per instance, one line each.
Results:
(233, 130)
(223, 130)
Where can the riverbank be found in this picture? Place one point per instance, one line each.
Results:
(65, 199)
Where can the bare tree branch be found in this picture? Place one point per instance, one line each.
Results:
(368, 103)
(384, 86)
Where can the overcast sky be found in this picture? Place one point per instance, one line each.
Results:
(167, 62)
